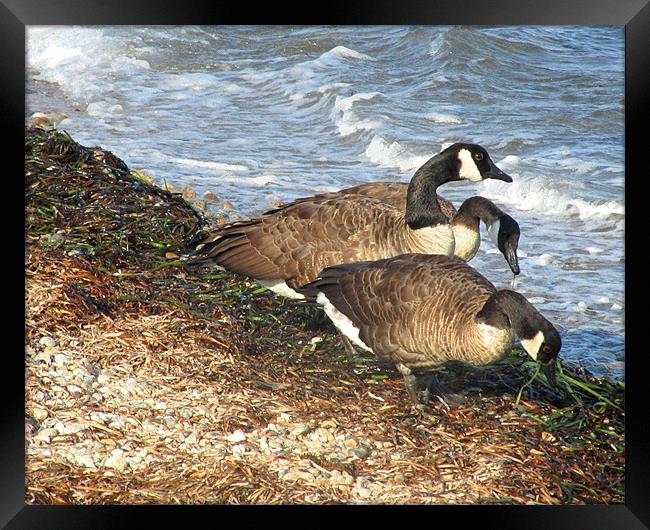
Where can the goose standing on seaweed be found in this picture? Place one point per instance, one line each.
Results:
(287, 247)
(421, 311)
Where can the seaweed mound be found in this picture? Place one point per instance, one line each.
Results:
(87, 201)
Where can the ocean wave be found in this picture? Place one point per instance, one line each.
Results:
(444, 118)
(79, 60)
(341, 52)
(393, 155)
(205, 164)
(535, 194)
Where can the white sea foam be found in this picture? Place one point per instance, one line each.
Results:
(205, 164)
(539, 195)
(343, 104)
(255, 182)
(393, 155)
(444, 118)
(80, 60)
(103, 108)
(191, 81)
(346, 120)
(341, 52)
(332, 87)
(594, 250)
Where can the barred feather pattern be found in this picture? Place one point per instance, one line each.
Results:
(296, 242)
(417, 310)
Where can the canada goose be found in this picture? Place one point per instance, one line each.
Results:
(420, 311)
(289, 246)
(503, 229)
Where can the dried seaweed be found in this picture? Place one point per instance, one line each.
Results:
(215, 391)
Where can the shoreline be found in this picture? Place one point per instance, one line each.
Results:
(148, 384)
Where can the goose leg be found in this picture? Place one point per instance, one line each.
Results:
(410, 381)
(348, 345)
(435, 389)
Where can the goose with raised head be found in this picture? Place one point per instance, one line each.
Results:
(288, 247)
(465, 222)
(421, 311)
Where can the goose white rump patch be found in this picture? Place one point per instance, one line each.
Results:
(280, 287)
(343, 323)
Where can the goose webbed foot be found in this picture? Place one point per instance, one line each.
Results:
(432, 389)
(435, 390)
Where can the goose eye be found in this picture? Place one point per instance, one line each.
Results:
(478, 156)
(546, 349)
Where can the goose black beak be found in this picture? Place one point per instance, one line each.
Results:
(513, 260)
(495, 173)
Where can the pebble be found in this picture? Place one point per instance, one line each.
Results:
(238, 450)
(75, 390)
(116, 460)
(47, 341)
(192, 438)
(361, 451)
(283, 417)
(237, 436)
(73, 428)
(362, 492)
(39, 414)
(51, 350)
(186, 414)
(43, 357)
(300, 430)
(61, 358)
(83, 460)
(295, 476)
(59, 427)
(116, 424)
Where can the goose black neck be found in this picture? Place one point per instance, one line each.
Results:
(422, 207)
(507, 308)
(475, 209)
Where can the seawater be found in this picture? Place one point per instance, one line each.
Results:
(261, 114)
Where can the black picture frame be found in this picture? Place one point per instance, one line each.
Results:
(634, 15)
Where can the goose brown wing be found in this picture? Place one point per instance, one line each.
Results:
(296, 242)
(390, 301)
(391, 193)
(394, 193)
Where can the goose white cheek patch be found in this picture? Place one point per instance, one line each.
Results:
(532, 345)
(493, 231)
(468, 169)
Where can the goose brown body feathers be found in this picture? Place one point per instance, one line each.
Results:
(287, 247)
(422, 311)
(298, 242)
